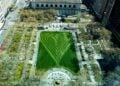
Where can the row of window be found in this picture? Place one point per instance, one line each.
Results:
(46, 5)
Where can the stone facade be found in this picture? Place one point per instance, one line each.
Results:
(63, 8)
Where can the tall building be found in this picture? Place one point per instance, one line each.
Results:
(64, 7)
(98, 6)
(108, 12)
(114, 19)
(101, 8)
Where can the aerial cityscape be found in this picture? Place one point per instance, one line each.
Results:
(59, 43)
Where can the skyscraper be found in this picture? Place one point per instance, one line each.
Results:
(108, 12)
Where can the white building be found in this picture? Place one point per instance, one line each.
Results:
(64, 7)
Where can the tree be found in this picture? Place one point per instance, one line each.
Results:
(28, 15)
(105, 34)
(12, 7)
(98, 31)
(113, 53)
(113, 78)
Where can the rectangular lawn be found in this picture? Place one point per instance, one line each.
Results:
(56, 49)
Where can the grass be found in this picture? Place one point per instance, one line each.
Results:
(18, 72)
(56, 49)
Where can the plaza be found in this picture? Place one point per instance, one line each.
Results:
(57, 77)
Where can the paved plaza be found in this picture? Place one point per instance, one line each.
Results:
(57, 77)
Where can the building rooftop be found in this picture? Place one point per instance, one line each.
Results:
(58, 1)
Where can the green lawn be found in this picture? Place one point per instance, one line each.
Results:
(56, 49)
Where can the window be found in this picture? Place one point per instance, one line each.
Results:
(42, 5)
(37, 5)
(69, 6)
(60, 5)
(46, 5)
(65, 6)
(74, 6)
(51, 5)
(56, 5)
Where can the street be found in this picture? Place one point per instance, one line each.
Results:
(11, 19)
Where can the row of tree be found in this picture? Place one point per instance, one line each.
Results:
(97, 31)
(28, 15)
(111, 67)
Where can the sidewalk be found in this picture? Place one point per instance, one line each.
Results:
(1, 25)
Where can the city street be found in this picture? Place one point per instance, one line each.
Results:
(11, 19)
